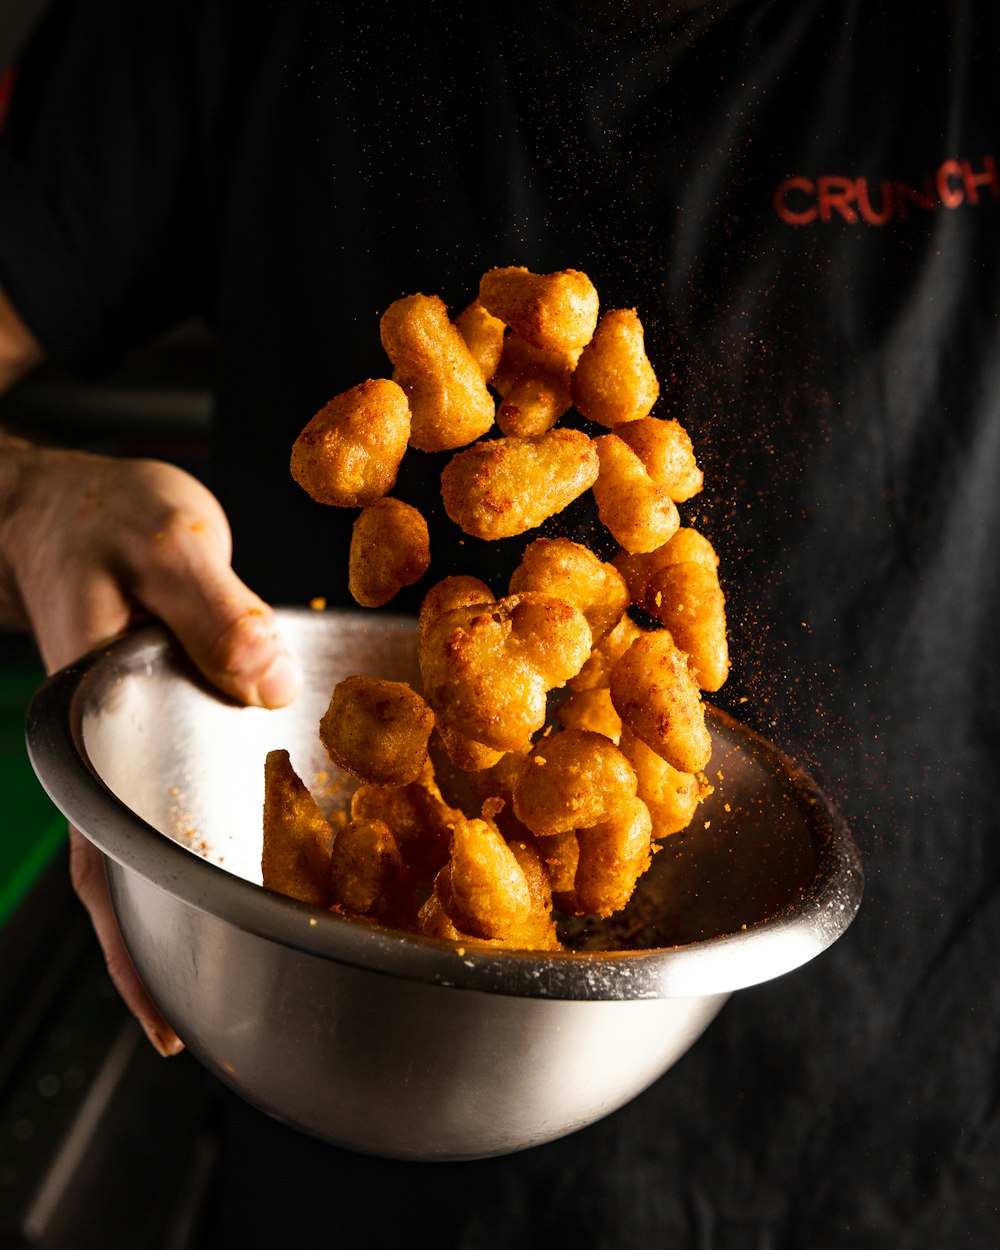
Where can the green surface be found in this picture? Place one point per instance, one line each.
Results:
(31, 827)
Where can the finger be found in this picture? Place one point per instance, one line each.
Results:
(229, 632)
(91, 884)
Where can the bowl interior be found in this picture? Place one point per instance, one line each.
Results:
(766, 857)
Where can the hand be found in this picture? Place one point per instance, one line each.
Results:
(89, 545)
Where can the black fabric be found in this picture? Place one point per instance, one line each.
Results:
(806, 217)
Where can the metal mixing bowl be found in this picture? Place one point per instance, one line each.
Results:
(377, 1040)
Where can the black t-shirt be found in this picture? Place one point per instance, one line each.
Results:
(802, 199)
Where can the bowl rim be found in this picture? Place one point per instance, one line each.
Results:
(716, 965)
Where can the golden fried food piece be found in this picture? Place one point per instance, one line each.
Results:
(671, 796)
(561, 855)
(688, 600)
(482, 887)
(390, 549)
(613, 856)
(614, 381)
(537, 931)
(605, 655)
(366, 870)
(591, 710)
(555, 312)
(450, 404)
(484, 337)
(640, 514)
(535, 386)
(377, 730)
(458, 591)
(502, 487)
(419, 818)
(487, 668)
(639, 568)
(570, 571)
(349, 453)
(572, 780)
(465, 753)
(665, 450)
(295, 857)
(657, 697)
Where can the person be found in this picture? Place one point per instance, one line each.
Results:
(806, 218)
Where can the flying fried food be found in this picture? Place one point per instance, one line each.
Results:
(640, 514)
(613, 855)
(390, 549)
(484, 337)
(366, 870)
(665, 449)
(418, 816)
(639, 568)
(678, 584)
(482, 887)
(377, 730)
(593, 710)
(505, 486)
(657, 697)
(571, 780)
(349, 453)
(449, 401)
(614, 381)
(461, 590)
(535, 386)
(465, 753)
(487, 668)
(570, 571)
(688, 600)
(555, 312)
(605, 655)
(671, 796)
(295, 857)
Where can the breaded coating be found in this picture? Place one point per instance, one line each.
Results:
(688, 600)
(419, 818)
(555, 312)
(487, 668)
(571, 780)
(640, 514)
(657, 697)
(377, 730)
(465, 753)
(482, 887)
(366, 870)
(592, 710)
(502, 487)
(484, 337)
(535, 386)
(295, 856)
(537, 931)
(638, 569)
(561, 854)
(667, 454)
(390, 549)
(570, 571)
(614, 381)
(613, 856)
(349, 453)
(605, 655)
(671, 796)
(458, 591)
(450, 404)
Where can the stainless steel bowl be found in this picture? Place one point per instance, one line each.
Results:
(377, 1040)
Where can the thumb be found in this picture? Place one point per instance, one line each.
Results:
(229, 632)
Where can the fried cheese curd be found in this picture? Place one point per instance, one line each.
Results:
(449, 402)
(568, 736)
(350, 452)
(390, 549)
